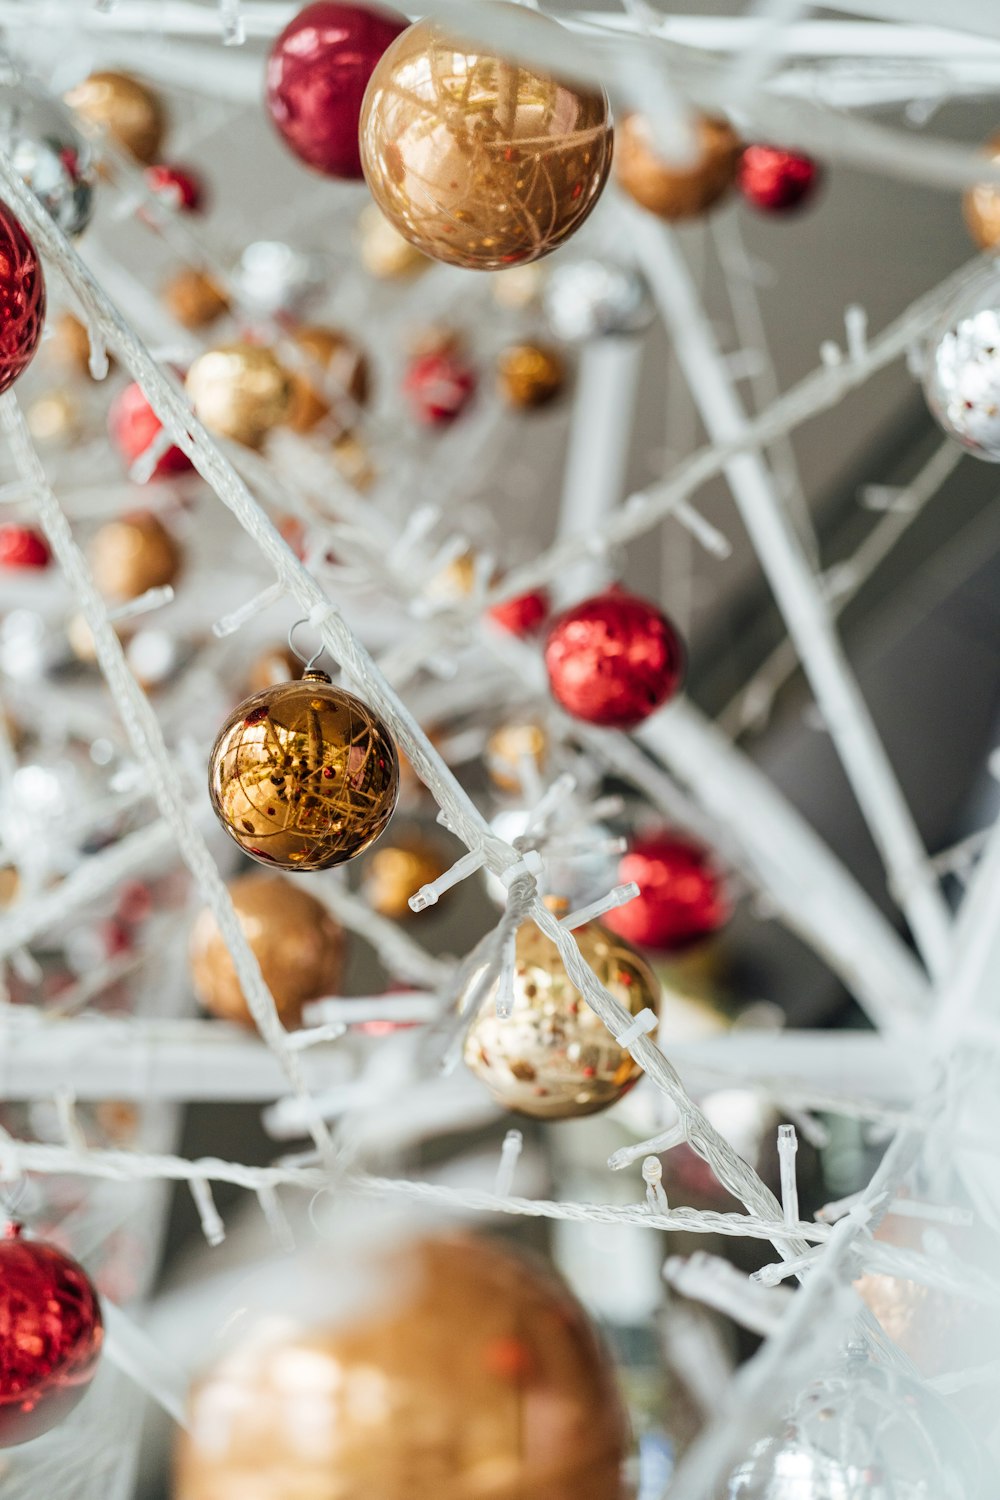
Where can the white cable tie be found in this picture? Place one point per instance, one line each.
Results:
(644, 1023)
(321, 614)
(620, 895)
(530, 863)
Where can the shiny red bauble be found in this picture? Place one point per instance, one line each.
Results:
(522, 615)
(22, 299)
(439, 384)
(776, 181)
(133, 424)
(614, 660)
(681, 895)
(179, 187)
(317, 74)
(50, 1336)
(23, 547)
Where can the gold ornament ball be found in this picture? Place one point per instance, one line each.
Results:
(476, 160)
(193, 298)
(353, 462)
(552, 1057)
(299, 946)
(395, 872)
(385, 254)
(508, 746)
(131, 113)
(304, 776)
(981, 205)
(70, 344)
(333, 379)
(275, 665)
(240, 391)
(672, 191)
(54, 418)
(132, 555)
(469, 1373)
(530, 375)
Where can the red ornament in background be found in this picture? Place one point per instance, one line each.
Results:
(317, 74)
(22, 299)
(179, 187)
(681, 897)
(50, 1336)
(440, 384)
(614, 660)
(23, 547)
(133, 424)
(522, 615)
(776, 181)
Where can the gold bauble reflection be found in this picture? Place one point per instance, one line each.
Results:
(395, 872)
(333, 380)
(469, 1372)
(299, 946)
(552, 1057)
(510, 745)
(240, 391)
(385, 254)
(677, 192)
(193, 298)
(304, 776)
(130, 112)
(530, 375)
(981, 205)
(476, 160)
(132, 555)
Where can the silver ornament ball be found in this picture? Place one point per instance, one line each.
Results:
(589, 299)
(272, 278)
(962, 369)
(55, 160)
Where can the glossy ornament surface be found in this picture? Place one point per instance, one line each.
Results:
(193, 298)
(981, 205)
(130, 112)
(592, 299)
(468, 1372)
(523, 614)
(962, 368)
(317, 73)
(22, 299)
(180, 188)
(681, 896)
(552, 1058)
(777, 181)
(298, 944)
(439, 384)
(333, 379)
(41, 138)
(50, 1336)
(479, 162)
(240, 391)
(133, 425)
(673, 190)
(530, 375)
(304, 776)
(395, 872)
(132, 555)
(613, 660)
(23, 547)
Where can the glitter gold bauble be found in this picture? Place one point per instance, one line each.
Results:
(240, 391)
(304, 776)
(132, 555)
(552, 1057)
(299, 946)
(395, 872)
(981, 205)
(385, 254)
(193, 298)
(69, 343)
(510, 745)
(674, 191)
(468, 1372)
(332, 380)
(530, 375)
(275, 665)
(480, 162)
(131, 113)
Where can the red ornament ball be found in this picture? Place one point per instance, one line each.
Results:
(50, 1336)
(317, 74)
(523, 614)
(776, 181)
(440, 384)
(614, 660)
(681, 896)
(179, 187)
(133, 424)
(23, 547)
(22, 299)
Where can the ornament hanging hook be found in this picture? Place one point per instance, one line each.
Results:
(310, 662)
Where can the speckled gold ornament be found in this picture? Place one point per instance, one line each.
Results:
(395, 872)
(677, 192)
(54, 418)
(333, 380)
(193, 298)
(275, 665)
(480, 162)
(132, 555)
(508, 746)
(981, 205)
(299, 946)
(240, 391)
(130, 112)
(552, 1058)
(530, 375)
(304, 776)
(462, 1370)
(385, 254)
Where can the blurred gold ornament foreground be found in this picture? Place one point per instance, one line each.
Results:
(240, 391)
(477, 161)
(132, 555)
(193, 298)
(981, 205)
(130, 112)
(472, 1374)
(552, 1057)
(670, 190)
(530, 375)
(333, 380)
(299, 946)
(395, 872)
(304, 775)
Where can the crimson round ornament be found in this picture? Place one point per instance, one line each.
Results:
(180, 188)
(523, 614)
(317, 74)
(23, 547)
(22, 299)
(775, 180)
(439, 383)
(681, 897)
(614, 659)
(133, 425)
(50, 1336)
